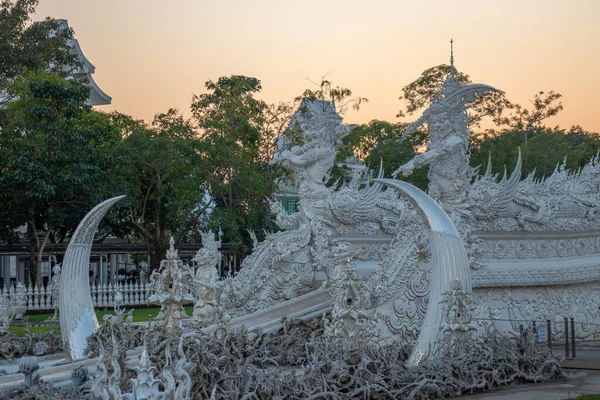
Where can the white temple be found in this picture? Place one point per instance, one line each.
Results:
(97, 95)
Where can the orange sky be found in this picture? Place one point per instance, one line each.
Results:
(151, 55)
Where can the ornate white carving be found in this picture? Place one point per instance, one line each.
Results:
(447, 153)
(350, 329)
(449, 264)
(567, 201)
(172, 285)
(505, 308)
(6, 312)
(284, 264)
(172, 382)
(207, 285)
(77, 316)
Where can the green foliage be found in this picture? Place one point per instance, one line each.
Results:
(547, 147)
(237, 133)
(516, 126)
(162, 173)
(381, 143)
(342, 97)
(421, 92)
(54, 159)
(41, 46)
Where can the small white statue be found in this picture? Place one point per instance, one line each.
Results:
(208, 288)
(207, 258)
(171, 285)
(55, 289)
(20, 301)
(6, 313)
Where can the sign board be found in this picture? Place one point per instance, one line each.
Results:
(542, 334)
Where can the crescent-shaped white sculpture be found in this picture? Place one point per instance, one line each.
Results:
(449, 264)
(77, 317)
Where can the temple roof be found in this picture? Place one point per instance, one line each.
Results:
(97, 96)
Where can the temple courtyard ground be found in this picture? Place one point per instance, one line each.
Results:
(582, 377)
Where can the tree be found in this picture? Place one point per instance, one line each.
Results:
(546, 148)
(381, 143)
(515, 125)
(54, 160)
(423, 90)
(519, 127)
(340, 96)
(163, 175)
(41, 46)
(237, 132)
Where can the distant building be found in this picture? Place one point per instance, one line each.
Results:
(97, 96)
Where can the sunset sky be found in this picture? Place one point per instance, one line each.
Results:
(151, 55)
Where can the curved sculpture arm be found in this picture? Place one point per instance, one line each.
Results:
(449, 265)
(448, 145)
(77, 317)
(309, 157)
(412, 127)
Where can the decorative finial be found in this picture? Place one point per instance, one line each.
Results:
(451, 83)
(172, 253)
(451, 54)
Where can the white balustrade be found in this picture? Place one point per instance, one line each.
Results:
(40, 297)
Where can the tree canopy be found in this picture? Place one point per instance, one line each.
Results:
(25, 46)
(237, 132)
(55, 156)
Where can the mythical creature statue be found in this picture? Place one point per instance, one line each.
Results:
(447, 152)
(566, 200)
(322, 129)
(284, 264)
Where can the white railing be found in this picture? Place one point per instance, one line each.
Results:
(40, 297)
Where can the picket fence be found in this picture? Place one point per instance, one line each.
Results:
(40, 297)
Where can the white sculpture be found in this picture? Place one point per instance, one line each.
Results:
(207, 258)
(171, 383)
(172, 285)
(6, 312)
(350, 329)
(284, 264)
(207, 309)
(55, 290)
(76, 310)
(447, 153)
